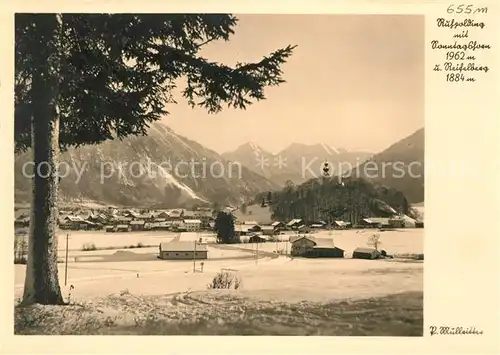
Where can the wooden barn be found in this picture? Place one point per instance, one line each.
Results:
(366, 253)
(183, 251)
(311, 247)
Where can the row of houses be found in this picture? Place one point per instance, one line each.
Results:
(302, 246)
(130, 220)
(245, 228)
(187, 225)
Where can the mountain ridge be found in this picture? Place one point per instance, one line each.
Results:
(160, 169)
(408, 177)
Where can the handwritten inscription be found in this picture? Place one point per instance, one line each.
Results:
(461, 59)
(447, 330)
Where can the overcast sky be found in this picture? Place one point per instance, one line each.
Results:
(354, 81)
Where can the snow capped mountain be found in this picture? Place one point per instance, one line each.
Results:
(160, 169)
(297, 162)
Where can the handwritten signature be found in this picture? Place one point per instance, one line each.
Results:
(447, 330)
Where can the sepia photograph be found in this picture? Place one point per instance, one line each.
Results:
(219, 174)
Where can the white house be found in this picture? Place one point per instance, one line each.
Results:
(192, 225)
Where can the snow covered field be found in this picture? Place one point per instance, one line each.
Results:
(103, 272)
(280, 278)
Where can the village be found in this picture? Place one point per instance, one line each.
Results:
(192, 229)
(134, 254)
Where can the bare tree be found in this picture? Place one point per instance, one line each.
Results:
(374, 241)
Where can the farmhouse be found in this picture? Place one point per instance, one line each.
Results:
(312, 247)
(365, 253)
(183, 251)
(74, 223)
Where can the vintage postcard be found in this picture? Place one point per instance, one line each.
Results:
(250, 170)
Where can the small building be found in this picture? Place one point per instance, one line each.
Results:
(137, 225)
(382, 222)
(258, 238)
(74, 223)
(339, 225)
(92, 225)
(174, 214)
(367, 223)
(254, 228)
(366, 253)
(183, 251)
(303, 228)
(278, 225)
(100, 218)
(123, 228)
(131, 214)
(192, 225)
(164, 215)
(122, 220)
(178, 225)
(316, 226)
(294, 223)
(268, 230)
(165, 225)
(188, 214)
(205, 217)
(110, 229)
(397, 223)
(241, 229)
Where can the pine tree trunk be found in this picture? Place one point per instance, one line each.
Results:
(42, 281)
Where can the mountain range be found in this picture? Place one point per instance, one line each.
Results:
(165, 169)
(297, 162)
(162, 169)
